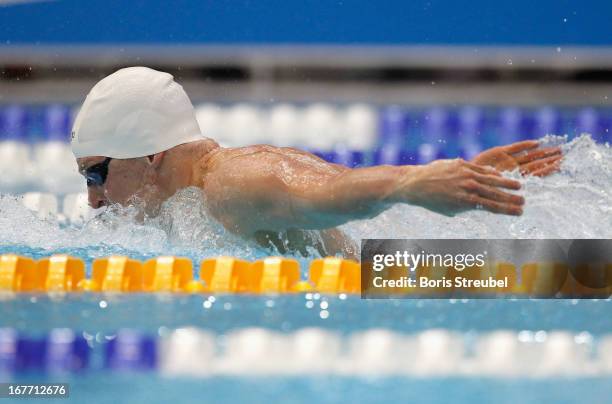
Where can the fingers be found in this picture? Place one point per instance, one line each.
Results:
(521, 146)
(538, 154)
(490, 176)
(495, 194)
(539, 165)
(496, 181)
(549, 169)
(483, 191)
(494, 206)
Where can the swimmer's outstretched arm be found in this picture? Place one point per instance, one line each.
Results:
(262, 187)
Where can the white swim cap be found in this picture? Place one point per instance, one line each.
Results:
(134, 112)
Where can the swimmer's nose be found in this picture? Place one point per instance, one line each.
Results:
(96, 200)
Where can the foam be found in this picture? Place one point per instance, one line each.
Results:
(574, 203)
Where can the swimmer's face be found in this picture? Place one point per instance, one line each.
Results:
(126, 179)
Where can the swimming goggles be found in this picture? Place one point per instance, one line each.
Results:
(96, 174)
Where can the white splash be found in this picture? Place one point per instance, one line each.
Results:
(574, 203)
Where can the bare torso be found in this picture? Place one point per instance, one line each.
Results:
(305, 168)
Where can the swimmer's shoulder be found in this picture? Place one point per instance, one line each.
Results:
(262, 158)
(216, 157)
(224, 154)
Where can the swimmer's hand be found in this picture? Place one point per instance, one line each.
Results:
(526, 156)
(453, 186)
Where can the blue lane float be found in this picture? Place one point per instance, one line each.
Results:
(419, 134)
(131, 351)
(60, 351)
(255, 351)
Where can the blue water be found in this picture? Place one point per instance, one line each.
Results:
(37, 314)
(104, 388)
(289, 313)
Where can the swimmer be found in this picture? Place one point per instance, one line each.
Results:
(136, 138)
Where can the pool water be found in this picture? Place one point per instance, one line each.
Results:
(345, 314)
(574, 203)
(326, 389)
(587, 321)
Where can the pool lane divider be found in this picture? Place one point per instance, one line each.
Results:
(271, 275)
(314, 350)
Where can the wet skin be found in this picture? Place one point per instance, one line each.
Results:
(279, 196)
